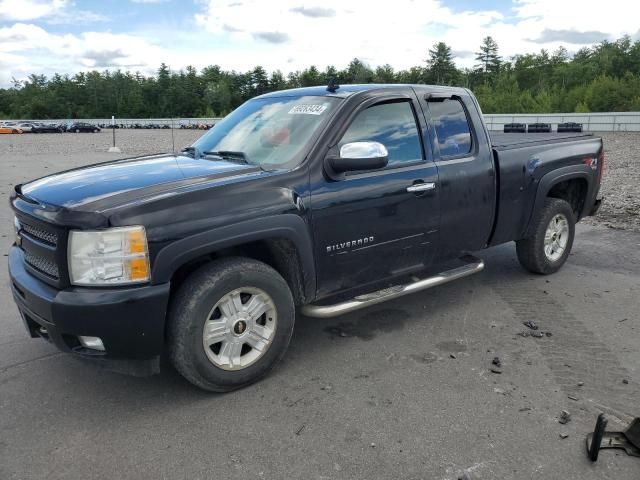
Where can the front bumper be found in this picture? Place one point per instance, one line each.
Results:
(129, 320)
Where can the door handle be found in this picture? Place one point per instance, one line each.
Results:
(421, 187)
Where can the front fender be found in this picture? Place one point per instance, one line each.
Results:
(289, 226)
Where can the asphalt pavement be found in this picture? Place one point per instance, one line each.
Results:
(401, 390)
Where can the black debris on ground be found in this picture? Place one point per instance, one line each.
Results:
(530, 324)
(565, 417)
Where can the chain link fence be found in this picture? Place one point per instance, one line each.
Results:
(591, 122)
(130, 122)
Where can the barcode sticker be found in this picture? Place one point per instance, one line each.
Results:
(307, 110)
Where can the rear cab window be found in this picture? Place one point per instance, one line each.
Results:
(451, 125)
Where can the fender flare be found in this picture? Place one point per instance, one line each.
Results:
(549, 180)
(289, 226)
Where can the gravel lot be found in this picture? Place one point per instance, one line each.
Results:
(407, 392)
(621, 184)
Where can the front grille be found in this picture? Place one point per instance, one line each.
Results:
(42, 265)
(49, 238)
(45, 249)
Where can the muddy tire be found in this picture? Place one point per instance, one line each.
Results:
(548, 247)
(229, 323)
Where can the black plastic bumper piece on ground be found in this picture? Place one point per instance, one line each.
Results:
(129, 320)
(629, 440)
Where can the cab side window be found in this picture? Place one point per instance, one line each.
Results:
(391, 124)
(452, 127)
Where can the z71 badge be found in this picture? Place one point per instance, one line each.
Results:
(359, 242)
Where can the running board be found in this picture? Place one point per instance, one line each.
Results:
(473, 265)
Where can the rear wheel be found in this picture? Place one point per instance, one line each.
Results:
(77, 130)
(230, 323)
(548, 248)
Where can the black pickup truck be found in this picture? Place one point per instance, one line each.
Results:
(323, 199)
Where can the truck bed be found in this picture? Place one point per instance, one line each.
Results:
(508, 141)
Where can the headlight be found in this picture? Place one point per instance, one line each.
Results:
(115, 256)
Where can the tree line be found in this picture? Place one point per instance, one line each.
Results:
(605, 77)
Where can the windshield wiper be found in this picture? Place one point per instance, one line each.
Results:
(232, 156)
(193, 151)
(229, 155)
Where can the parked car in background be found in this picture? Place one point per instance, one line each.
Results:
(9, 129)
(46, 128)
(26, 127)
(78, 127)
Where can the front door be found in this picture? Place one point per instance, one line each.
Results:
(372, 225)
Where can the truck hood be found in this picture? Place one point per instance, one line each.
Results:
(105, 185)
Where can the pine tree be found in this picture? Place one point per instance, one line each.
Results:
(488, 59)
(442, 70)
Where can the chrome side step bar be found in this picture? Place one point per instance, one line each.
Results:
(473, 265)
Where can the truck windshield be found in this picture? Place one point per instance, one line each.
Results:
(270, 132)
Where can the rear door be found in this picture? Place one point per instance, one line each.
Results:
(372, 225)
(465, 170)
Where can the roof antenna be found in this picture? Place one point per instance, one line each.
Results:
(333, 85)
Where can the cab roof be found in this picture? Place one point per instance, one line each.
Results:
(347, 90)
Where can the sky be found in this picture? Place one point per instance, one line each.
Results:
(67, 36)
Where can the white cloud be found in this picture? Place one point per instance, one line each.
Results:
(616, 17)
(21, 10)
(54, 12)
(294, 34)
(27, 48)
(333, 32)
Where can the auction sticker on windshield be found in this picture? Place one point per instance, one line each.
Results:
(307, 109)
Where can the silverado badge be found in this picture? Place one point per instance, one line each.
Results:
(358, 242)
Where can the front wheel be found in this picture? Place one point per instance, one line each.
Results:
(230, 322)
(548, 248)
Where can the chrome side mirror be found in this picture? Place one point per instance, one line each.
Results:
(360, 156)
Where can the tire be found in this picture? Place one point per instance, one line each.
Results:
(544, 254)
(196, 304)
(95, 131)
(77, 130)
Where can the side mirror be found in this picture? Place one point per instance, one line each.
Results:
(360, 156)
